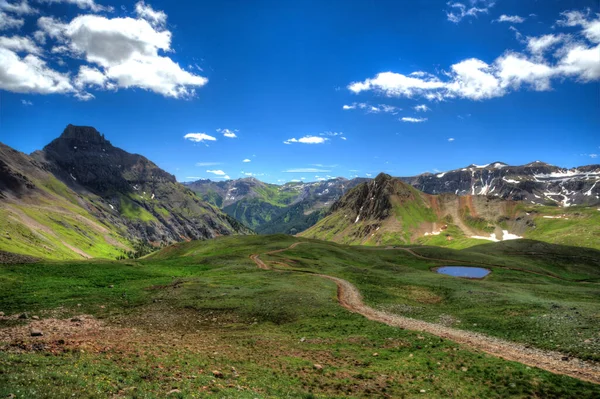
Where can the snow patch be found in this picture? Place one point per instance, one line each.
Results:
(589, 192)
(510, 180)
(72, 177)
(505, 236)
(111, 207)
(441, 175)
(357, 219)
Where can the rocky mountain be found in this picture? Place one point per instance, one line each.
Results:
(82, 197)
(269, 208)
(387, 211)
(535, 183)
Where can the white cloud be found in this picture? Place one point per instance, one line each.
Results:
(307, 140)
(593, 155)
(422, 108)
(217, 172)
(20, 44)
(228, 133)
(246, 160)
(10, 22)
(538, 45)
(26, 103)
(156, 18)
(581, 62)
(396, 85)
(120, 53)
(20, 8)
(82, 4)
(458, 11)
(199, 137)
(207, 163)
(343, 138)
(451, 139)
(373, 109)
(30, 74)
(475, 79)
(413, 120)
(306, 170)
(515, 19)
(88, 77)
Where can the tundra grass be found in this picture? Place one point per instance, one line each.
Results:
(203, 306)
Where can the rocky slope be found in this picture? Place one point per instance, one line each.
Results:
(387, 211)
(535, 183)
(82, 197)
(270, 208)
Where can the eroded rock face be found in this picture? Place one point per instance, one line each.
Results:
(537, 182)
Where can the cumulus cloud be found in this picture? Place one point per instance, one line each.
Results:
(451, 139)
(422, 108)
(515, 19)
(82, 4)
(127, 50)
(474, 79)
(457, 11)
(30, 74)
(307, 140)
(246, 160)
(228, 133)
(26, 103)
(122, 52)
(413, 120)
(199, 137)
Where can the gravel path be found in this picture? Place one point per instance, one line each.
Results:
(350, 298)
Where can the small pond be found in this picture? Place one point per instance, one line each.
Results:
(463, 271)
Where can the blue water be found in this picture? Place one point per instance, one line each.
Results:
(464, 271)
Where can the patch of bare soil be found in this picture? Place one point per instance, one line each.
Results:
(350, 298)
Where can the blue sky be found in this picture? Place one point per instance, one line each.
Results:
(309, 89)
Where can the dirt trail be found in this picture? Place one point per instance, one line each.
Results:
(350, 298)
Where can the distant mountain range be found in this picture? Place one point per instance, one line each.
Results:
(388, 211)
(293, 207)
(269, 208)
(535, 183)
(82, 197)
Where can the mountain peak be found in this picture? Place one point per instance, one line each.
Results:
(83, 133)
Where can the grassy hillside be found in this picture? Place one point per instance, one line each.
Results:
(161, 325)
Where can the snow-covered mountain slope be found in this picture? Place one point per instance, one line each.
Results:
(535, 183)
